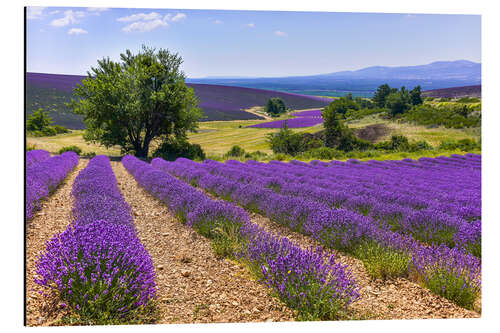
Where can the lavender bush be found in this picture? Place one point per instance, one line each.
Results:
(43, 177)
(36, 156)
(98, 265)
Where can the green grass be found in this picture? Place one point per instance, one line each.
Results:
(53, 144)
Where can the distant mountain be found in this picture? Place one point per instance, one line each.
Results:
(440, 74)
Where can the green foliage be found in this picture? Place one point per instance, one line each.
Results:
(352, 114)
(40, 124)
(286, 141)
(60, 129)
(382, 262)
(132, 102)
(256, 155)
(381, 94)
(74, 149)
(38, 121)
(275, 106)
(464, 145)
(89, 155)
(398, 102)
(30, 147)
(454, 286)
(468, 99)
(449, 116)
(337, 134)
(173, 148)
(235, 151)
(401, 143)
(416, 96)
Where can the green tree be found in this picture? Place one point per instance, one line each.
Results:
(286, 141)
(398, 102)
(38, 121)
(381, 94)
(132, 102)
(416, 96)
(275, 106)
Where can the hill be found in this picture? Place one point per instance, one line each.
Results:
(455, 92)
(363, 82)
(52, 91)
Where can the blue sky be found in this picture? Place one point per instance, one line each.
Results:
(247, 43)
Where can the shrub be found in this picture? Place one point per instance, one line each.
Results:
(286, 142)
(172, 149)
(382, 262)
(89, 154)
(74, 149)
(235, 151)
(256, 155)
(60, 129)
(101, 271)
(275, 106)
(30, 147)
(463, 144)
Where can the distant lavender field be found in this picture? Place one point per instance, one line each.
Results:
(303, 119)
(51, 91)
(308, 113)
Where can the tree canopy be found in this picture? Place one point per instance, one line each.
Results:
(141, 98)
(275, 106)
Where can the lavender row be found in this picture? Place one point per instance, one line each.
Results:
(291, 123)
(427, 225)
(43, 177)
(309, 113)
(463, 202)
(35, 156)
(344, 230)
(301, 278)
(98, 265)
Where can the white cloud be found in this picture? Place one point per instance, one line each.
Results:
(70, 17)
(97, 9)
(139, 17)
(34, 12)
(178, 17)
(280, 33)
(217, 22)
(77, 31)
(144, 26)
(54, 12)
(251, 25)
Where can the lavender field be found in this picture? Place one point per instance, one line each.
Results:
(414, 220)
(302, 119)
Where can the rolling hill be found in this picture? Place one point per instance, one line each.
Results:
(52, 91)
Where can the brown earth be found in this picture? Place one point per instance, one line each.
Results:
(372, 133)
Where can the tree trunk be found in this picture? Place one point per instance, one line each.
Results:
(142, 151)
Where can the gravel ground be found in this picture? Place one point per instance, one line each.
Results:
(53, 218)
(193, 285)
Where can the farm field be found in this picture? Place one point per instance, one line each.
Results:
(195, 276)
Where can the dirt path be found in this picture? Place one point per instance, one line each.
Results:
(53, 218)
(394, 299)
(193, 285)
